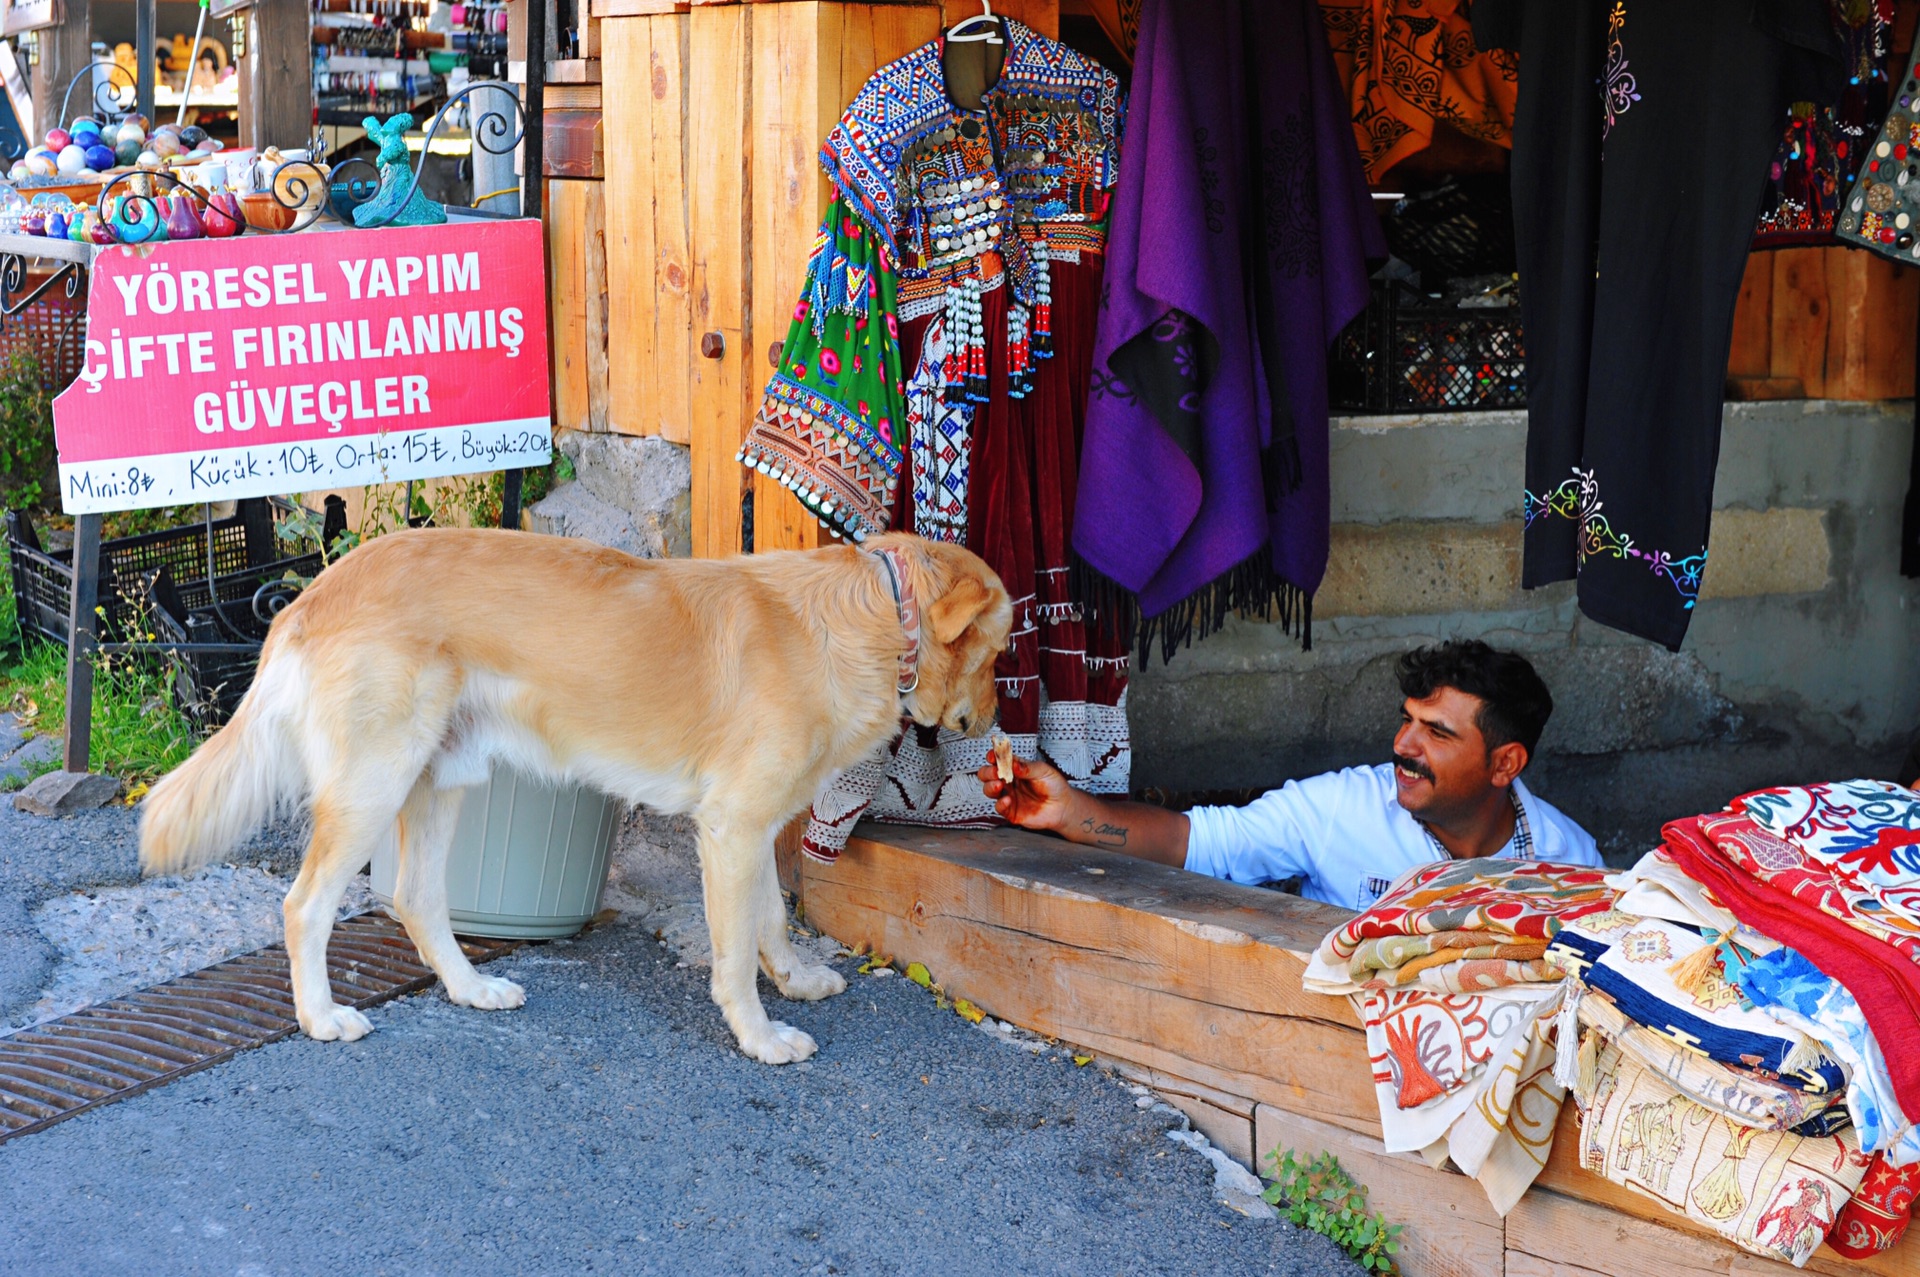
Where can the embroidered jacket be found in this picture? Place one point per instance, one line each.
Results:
(934, 205)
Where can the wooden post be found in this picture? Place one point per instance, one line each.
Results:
(143, 24)
(63, 50)
(80, 639)
(276, 80)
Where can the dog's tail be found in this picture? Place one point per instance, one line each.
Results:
(234, 783)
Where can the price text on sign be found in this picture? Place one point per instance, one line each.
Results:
(247, 367)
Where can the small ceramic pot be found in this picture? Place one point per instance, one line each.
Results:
(183, 218)
(223, 216)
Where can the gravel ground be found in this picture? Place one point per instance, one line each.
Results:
(609, 1126)
(77, 924)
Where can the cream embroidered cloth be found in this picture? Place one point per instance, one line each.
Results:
(1769, 1192)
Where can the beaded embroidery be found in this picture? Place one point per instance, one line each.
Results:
(936, 206)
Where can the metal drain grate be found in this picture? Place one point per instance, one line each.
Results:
(133, 1044)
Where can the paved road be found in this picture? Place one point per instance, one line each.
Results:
(610, 1126)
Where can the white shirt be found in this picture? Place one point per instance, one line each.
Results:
(1348, 835)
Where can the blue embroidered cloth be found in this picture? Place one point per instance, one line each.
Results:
(1784, 984)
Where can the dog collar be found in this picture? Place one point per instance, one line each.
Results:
(908, 673)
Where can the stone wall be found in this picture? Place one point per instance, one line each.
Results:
(631, 493)
(1803, 661)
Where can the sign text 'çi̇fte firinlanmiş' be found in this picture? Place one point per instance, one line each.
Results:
(247, 367)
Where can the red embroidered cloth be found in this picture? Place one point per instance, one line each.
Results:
(1791, 904)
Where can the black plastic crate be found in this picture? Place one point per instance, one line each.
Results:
(244, 555)
(199, 642)
(1412, 353)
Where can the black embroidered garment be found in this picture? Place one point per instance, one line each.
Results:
(1641, 142)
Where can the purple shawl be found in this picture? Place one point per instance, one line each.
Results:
(1240, 232)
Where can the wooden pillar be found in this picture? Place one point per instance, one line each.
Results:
(276, 75)
(64, 49)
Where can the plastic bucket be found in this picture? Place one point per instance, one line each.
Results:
(528, 860)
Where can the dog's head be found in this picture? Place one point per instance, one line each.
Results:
(965, 618)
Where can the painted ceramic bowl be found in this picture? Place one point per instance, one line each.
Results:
(263, 212)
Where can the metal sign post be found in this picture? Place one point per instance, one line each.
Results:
(532, 165)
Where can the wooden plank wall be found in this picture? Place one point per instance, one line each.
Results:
(808, 61)
(714, 115)
(1192, 986)
(1824, 323)
(649, 313)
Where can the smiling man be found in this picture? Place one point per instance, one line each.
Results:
(1470, 723)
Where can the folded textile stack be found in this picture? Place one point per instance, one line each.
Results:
(1450, 975)
(1747, 1046)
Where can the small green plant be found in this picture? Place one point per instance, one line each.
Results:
(1319, 1195)
(26, 432)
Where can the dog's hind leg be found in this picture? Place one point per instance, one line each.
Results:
(344, 834)
(733, 846)
(793, 975)
(420, 898)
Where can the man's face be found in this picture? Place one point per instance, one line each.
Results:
(1441, 762)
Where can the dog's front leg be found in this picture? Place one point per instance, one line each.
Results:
(731, 850)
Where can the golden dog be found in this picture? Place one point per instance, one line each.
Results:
(731, 689)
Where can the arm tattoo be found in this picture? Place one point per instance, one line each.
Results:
(1104, 835)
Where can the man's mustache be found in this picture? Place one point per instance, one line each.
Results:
(1419, 769)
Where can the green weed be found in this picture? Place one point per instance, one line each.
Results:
(1319, 1195)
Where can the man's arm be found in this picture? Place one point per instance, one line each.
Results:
(1040, 797)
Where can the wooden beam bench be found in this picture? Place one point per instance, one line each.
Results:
(1192, 986)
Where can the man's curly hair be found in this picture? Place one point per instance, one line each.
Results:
(1514, 702)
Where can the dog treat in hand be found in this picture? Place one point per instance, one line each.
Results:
(1003, 758)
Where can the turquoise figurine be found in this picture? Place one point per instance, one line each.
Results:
(396, 175)
(136, 219)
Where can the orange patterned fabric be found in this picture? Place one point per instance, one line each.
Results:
(1411, 63)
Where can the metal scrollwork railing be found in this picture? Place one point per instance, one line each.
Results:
(107, 104)
(13, 276)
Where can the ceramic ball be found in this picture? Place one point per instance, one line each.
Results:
(193, 135)
(138, 121)
(110, 134)
(18, 172)
(148, 159)
(73, 159)
(58, 139)
(41, 165)
(164, 145)
(130, 132)
(99, 158)
(125, 152)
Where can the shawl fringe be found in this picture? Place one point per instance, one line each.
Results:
(1251, 589)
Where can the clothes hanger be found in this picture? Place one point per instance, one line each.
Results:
(990, 36)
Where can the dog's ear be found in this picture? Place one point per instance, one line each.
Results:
(950, 614)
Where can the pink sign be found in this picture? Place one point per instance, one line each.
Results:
(222, 368)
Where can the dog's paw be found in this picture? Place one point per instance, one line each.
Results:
(779, 1044)
(489, 993)
(335, 1023)
(810, 984)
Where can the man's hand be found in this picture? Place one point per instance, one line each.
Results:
(1040, 796)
